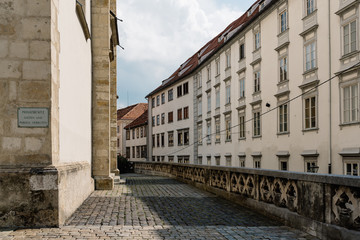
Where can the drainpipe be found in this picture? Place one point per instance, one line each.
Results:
(330, 100)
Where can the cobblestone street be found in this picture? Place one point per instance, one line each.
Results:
(148, 207)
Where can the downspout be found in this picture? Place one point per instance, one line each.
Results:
(330, 100)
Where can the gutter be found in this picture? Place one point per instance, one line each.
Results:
(330, 101)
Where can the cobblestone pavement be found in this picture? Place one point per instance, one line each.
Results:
(148, 207)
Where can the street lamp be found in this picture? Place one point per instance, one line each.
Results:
(314, 169)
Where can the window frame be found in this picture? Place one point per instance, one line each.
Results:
(170, 95)
(256, 123)
(353, 110)
(310, 126)
(228, 128)
(170, 117)
(170, 138)
(257, 79)
(283, 119)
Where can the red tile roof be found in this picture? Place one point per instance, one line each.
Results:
(131, 112)
(214, 45)
(140, 121)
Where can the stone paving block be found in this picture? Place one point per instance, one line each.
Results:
(160, 208)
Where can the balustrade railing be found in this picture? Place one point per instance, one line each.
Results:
(327, 200)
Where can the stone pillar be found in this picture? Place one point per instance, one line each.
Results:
(29, 77)
(101, 137)
(113, 106)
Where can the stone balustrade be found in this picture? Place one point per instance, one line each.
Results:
(327, 206)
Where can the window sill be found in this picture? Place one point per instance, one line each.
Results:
(310, 71)
(242, 139)
(310, 129)
(283, 32)
(310, 14)
(228, 141)
(349, 124)
(256, 93)
(283, 133)
(283, 82)
(254, 137)
(348, 55)
(217, 142)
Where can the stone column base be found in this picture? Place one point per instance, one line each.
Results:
(116, 172)
(104, 183)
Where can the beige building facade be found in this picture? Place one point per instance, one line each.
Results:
(58, 104)
(125, 116)
(136, 138)
(277, 89)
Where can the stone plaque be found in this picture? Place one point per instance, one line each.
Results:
(33, 117)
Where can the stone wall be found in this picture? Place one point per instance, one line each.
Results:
(323, 205)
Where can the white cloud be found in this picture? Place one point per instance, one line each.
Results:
(167, 33)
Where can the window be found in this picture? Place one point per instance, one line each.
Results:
(143, 151)
(199, 80)
(242, 161)
(242, 51)
(257, 81)
(257, 40)
(170, 117)
(349, 37)
(157, 100)
(351, 104)
(153, 102)
(170, 95)
(200, 160)
(257, 162)
(199, 133)
(283, 21)
(217, 129)
(310, 164)
(283, 118)
(217, 62)
(128, 152)
(228, 59)
(171, 158)
(199, 106)
(228, 127)
(228, 161)
(158, 140)
(283, 69)
(208, 102)
(137, 132)
(208, 159)
(141, 132)
(145, 129)
(242, 87)
(217, 97)
(133, 152)
(158, 158)
(309, 6)
(242, 126)
(171, 138)
(153, 121)
(133, 134)
(186, 88)
(158, 120)
(283, 163)
(128, 134)
(137, 151)
(310, 56)
(153, 140)
(352, 167)
(179, 114)
(310, 112)
(228, 94)
(208, 69)
(208, 131)
(186, 112)
(183, 137)
(217, 160)
(163, 118)
(257, 124)
(118, 142)
(162, 98)
(163, 140)
(179, 91)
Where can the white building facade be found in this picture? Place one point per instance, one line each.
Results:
(279, 90)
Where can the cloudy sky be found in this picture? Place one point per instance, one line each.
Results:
(159, 35)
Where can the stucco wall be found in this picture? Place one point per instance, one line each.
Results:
(75, 85)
